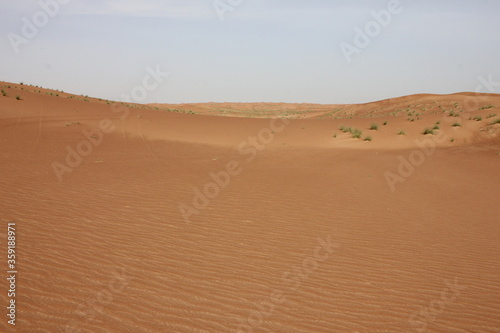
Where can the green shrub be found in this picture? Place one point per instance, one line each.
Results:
(477, 118)
(356, 133)
(428, 131)
(456, 125)
(373, 127)
(367, 138)
(18, 97)
(401, 132)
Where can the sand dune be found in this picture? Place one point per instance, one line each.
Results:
(262, 217)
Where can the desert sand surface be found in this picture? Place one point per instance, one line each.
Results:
(262, 217)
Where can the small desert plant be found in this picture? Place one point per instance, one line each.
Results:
(491, 115)
(373, 127)
(496, 121)
(436, 127)
(4, 93)
(487, 107)
(385, 123)
(334, 135)
(456, 125)
(477, 118)
(428, 131)
(367, 138)
(18, 97)
(356, 133)
(401, 132)
(452, 140)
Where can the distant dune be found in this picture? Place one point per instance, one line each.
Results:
(251, 217)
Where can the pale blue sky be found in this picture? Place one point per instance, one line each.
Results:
(263, 51)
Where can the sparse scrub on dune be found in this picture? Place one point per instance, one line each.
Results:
(345, 129)
(453, 114)
(436, 127)
(4, 93)
(428, 131)
(456, 125)
(491, 115)
(18, 97)
(385, 123)
(356, 133)
(477, 118)
(486, 107)
(367, 138)
(401, 132)
(496, 121)
(374, 127)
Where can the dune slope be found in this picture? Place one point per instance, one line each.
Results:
(136, 218)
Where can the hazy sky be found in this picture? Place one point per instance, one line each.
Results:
(263, 51)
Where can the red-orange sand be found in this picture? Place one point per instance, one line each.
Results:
(229, 221)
